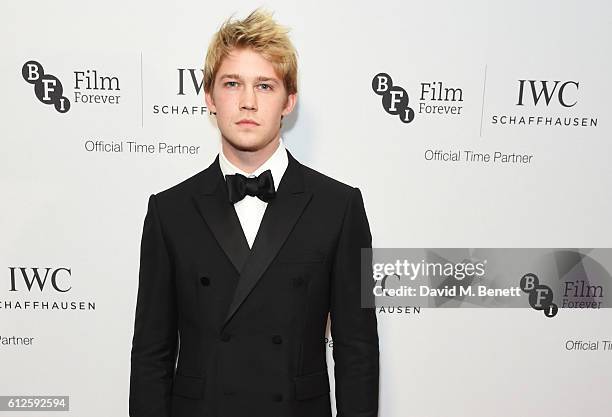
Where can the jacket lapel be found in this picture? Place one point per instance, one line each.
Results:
(220, 216)
(280, 216)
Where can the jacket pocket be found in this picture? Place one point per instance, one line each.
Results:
(311, 385)
(188, 386)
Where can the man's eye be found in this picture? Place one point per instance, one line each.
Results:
(265, 86)
(231, 84)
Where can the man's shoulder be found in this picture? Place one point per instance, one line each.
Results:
(326, 184)
(187, 187)
(318, 179)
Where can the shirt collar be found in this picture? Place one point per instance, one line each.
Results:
(276, 163)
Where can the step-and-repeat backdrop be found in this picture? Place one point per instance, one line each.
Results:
(473, 124)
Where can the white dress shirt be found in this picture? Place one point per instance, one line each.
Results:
(250, 209)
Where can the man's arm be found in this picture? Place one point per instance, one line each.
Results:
(354, 329)
(155, 330)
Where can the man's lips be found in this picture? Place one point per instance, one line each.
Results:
(247, 122)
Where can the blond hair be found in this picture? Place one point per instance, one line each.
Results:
(261, 33)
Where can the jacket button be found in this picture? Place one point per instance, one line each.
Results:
(205, 281)
(225, 337)
(278, 397)
(298, 281)
(277, 339)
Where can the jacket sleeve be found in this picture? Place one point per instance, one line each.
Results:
(353, 328)
(154, 344)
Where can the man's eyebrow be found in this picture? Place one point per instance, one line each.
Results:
(258, 78)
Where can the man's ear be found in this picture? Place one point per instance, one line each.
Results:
(210, 103)
(290, 104)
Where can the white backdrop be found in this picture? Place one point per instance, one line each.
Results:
(67, 207)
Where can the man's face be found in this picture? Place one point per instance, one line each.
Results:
(249, 99)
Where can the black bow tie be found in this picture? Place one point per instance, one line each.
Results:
(261, 186)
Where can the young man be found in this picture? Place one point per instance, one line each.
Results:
(242, 263)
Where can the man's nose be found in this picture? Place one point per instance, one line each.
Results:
(248, 99)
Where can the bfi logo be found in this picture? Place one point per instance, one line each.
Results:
(47, 88)
(545, 91)
(32, 278)
(395, 99)
(540, 296)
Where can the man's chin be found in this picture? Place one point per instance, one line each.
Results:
(247, 144)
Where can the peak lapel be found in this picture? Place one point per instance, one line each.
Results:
(220, 216)
(279, 218)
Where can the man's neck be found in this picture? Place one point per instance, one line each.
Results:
(249, 161)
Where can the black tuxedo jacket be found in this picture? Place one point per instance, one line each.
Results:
(224, 330)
